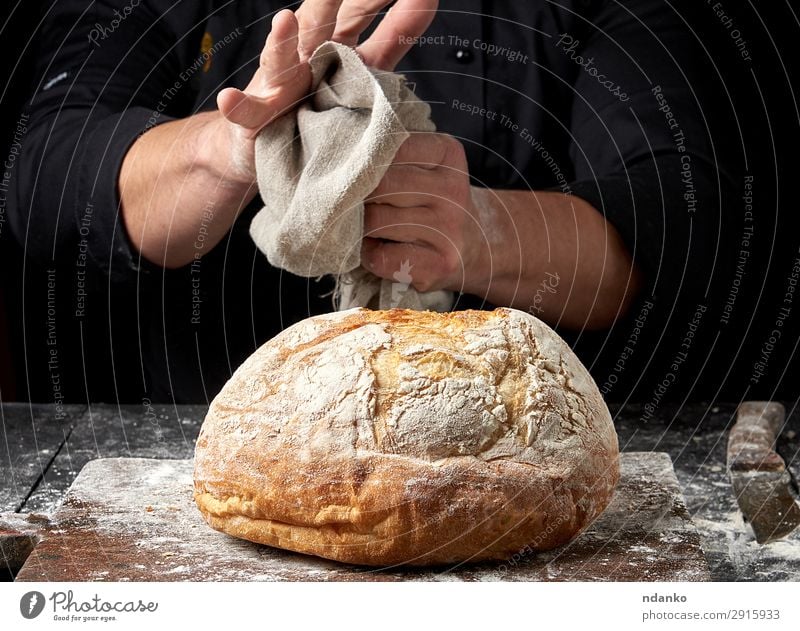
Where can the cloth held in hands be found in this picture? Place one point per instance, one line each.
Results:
(317, 164)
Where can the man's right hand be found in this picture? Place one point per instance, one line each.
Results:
(283, 77)
(196, 174)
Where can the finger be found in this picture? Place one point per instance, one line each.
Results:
(271, 90)
(385, 259)
(425, 149)
(229, 101)
(354, 17)
(317, 19)
(243, 109)
(249, 111)
(279, 62)
(416, 167)
(395, 34)
(393, 224)
(407, 186)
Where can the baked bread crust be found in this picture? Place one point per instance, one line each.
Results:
(389, 437)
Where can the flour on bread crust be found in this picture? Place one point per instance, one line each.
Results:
(385, 437)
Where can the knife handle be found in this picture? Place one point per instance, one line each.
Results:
(752, 439)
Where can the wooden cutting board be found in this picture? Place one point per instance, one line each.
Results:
(133, 519)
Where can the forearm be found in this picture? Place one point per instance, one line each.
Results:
(192, 177)
(181, 188)
(555, 256)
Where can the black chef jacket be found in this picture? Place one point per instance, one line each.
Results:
(593, 98)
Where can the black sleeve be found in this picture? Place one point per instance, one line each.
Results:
(647, 155)
(105, 72)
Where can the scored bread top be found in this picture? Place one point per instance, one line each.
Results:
(383, 437)
(492, 385)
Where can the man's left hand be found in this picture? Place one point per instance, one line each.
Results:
(422, 215)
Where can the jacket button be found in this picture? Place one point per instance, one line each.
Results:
(463, 55)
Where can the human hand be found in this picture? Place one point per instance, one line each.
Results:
(425, 221)
(283, 77)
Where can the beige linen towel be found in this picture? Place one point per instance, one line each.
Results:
(316, 165)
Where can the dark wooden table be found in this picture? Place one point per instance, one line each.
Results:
(42, 449)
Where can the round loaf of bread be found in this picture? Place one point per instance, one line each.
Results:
(408, 437)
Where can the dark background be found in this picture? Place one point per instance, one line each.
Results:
(764, 95)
